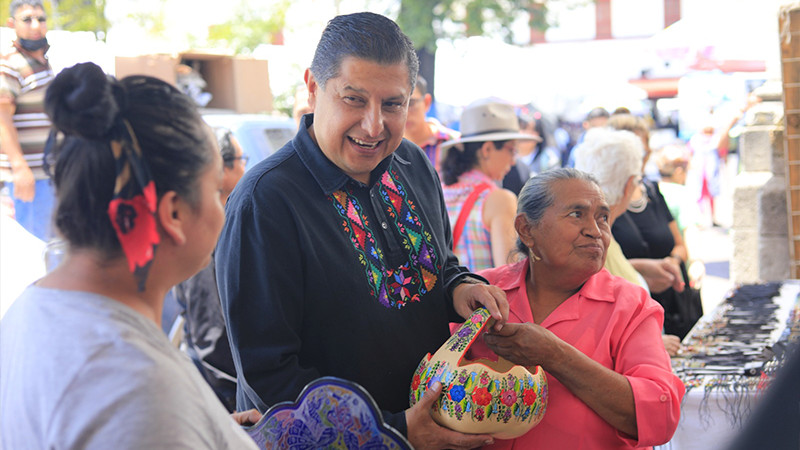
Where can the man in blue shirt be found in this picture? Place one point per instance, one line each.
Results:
(335, 258)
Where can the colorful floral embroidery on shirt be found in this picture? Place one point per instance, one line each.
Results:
(394, 287)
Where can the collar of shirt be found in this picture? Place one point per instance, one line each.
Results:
(513, 281)
(328, 175)
(43, 59)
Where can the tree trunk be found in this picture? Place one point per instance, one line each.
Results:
(427, 67)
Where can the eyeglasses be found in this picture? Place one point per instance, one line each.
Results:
(230, 159)
(28, 19)
(510, 147)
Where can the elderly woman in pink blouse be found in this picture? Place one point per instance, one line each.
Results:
(597, 336)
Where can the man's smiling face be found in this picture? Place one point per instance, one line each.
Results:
(360, 115)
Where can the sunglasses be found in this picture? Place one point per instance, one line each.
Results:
(28, 19)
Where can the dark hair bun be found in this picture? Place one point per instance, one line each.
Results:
(83, 101)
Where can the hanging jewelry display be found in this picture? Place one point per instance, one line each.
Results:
(734, 351)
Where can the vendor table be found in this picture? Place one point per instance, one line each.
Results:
(728, 360)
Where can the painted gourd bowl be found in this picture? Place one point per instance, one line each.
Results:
(481, 396)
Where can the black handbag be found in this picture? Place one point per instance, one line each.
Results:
(681, 309)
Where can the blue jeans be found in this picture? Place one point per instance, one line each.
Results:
(36, 216)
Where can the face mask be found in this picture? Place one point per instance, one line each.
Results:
(32, 45)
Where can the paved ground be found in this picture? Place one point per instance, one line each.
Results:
(715, 254)
(714, 246)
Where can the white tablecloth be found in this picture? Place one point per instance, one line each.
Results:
(710, 420)
(714, 413)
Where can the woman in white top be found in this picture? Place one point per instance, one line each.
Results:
(83, 361)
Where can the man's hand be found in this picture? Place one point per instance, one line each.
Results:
(24, 183)
(424, 433)
(660, 274)
(467, 297)
(247, 418)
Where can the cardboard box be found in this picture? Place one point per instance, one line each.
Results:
(159, 66)
(236, 83)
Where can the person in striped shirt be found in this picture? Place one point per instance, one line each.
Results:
(25, 74)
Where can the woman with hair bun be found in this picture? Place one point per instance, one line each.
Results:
(83, 360)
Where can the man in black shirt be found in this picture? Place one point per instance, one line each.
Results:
(336, 254)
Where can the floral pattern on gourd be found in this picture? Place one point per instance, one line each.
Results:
(459, 341)
(475, 393)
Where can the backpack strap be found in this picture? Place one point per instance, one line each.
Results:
(466, 208)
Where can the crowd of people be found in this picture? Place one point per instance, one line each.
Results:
(347, 253)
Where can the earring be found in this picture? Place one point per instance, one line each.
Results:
(533, 256)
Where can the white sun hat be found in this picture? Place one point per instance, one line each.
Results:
(485, 120)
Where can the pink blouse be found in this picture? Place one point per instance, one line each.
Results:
(617, 324)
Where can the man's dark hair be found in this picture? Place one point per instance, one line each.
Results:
(363, 35)
(422, 85)
(16, 4)
(226, 149)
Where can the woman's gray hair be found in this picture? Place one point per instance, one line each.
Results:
(537, 195)
(612, 156)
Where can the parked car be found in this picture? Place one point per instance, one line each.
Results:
(260, 135)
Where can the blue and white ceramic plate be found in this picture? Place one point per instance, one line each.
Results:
(330, 413)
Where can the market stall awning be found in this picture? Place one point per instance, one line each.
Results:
(730, 65)
(657, 87)
(703, 45)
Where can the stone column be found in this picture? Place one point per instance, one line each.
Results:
(760, 232)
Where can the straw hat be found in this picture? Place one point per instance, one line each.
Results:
(486, 120)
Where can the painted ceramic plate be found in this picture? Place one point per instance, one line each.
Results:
(330, 413)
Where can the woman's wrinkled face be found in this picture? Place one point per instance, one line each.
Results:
(574, 232)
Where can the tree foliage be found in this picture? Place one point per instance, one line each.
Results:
(425, 21)
(70, 15)
(250, 27)
(4, 5)
(81, 15)
(418, 20)
(152, 19)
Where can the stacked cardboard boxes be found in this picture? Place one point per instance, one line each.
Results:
(236, 83)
